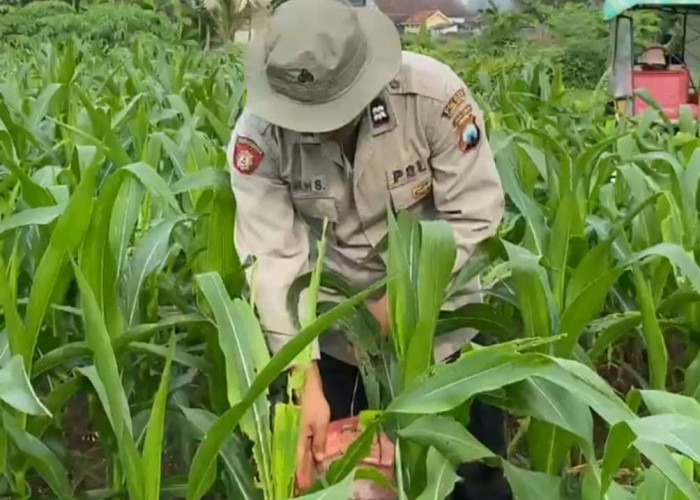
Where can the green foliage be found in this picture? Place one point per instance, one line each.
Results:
(108, 24)
(120, 288)
(569, 35)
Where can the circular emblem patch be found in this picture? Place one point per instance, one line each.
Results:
(469, 134)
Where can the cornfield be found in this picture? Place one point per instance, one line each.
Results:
(133, 365)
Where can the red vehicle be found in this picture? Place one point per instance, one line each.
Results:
(659, 76)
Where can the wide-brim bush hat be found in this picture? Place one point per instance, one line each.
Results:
(319, 63)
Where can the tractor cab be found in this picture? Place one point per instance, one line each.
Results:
(666, 72)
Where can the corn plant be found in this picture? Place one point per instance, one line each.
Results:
(133, 364)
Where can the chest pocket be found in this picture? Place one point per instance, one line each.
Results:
(316, 207)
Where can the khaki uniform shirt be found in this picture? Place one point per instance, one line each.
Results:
(413, 153)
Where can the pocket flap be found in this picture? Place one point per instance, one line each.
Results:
(317, 207)
(403, 197)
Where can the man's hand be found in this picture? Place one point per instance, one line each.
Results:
(315, 417)
(380, 310)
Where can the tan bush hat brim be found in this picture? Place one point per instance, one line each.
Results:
(382, 64)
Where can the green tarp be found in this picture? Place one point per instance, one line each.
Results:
(614, 8)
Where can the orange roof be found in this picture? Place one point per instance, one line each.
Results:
(422, 17)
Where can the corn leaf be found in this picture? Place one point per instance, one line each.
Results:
(662, 402)
(337, 491)
(441, 477)
(534, 294)
(149, 255)
(675, 431)
(16, 390)
(448, 437)
(476, 372)
(153, 445)
(436, 262)
(243, 345)
(567, 225)
(284, 448)
(530, 485)
(205, 457)
(39, 456)
(232, 454)
(66, 237)
(33, 216)
(692, 379)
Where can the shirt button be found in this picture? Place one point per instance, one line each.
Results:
(395, 84)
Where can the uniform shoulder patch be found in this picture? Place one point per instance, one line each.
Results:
(455, 104)
(468, 131)
(247, 156)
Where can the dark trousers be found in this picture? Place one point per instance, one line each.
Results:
(342, 386)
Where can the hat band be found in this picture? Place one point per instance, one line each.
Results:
(326, 90)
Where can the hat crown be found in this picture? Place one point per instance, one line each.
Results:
(314, 50)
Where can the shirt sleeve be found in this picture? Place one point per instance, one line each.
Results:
(267, 227)
(467, 189)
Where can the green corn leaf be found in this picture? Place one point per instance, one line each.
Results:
(567, 225)
(534, 218)
(441, 477)
(676, 431)
(153, 445)
(96, 260)
(403, 310)
(33, 216)
(208, 178)
(476, 372)
(481, 317)
(584, 308)
(611, 328)
(692, 379)
(534, 294)
(66, 237)
(155, 184)
(39, 456)
(123, 216)
(102, 128)
(54, 402)
(112, 396)
(653, 336)
(337, 491)
(205, 457)
(529, 485)
(232, 454)
(284, 448)
(595, 392)
(180, 356)
(13, 322)
(677, 256)
(149, 255)
(243, 345)
(548, 446)
(596, 262)
(657, 486)
(448, 437)
(98, 341)
(221, 255)
(437, 258)
(17, 391)
(662, 402)
(549, 402)
(61, 355)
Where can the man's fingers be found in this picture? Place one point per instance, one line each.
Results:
(319, 441)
